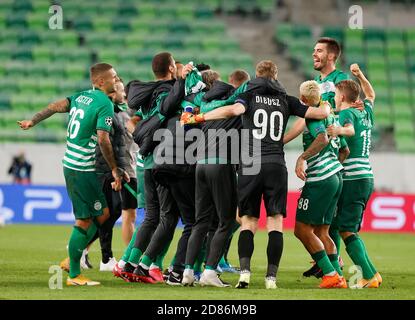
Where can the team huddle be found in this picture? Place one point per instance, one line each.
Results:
(194, 148)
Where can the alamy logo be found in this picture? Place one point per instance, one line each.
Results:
(56, 20)
(356, 17)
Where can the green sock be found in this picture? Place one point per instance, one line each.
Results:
(92, 230)
(357, 252)
(146, 261)
(334, 259)
(188, 266)
(77, 244)
(335, 236)
(323, 262)
(130, 247)
(209, 268)
(160, 258)
(372, 267)
(222, 261)
(135, 256)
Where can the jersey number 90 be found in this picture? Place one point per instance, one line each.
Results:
(261, 121)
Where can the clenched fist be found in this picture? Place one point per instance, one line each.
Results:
(25, 124)
(355, 70)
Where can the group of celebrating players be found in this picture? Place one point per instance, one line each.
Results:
(207, 181)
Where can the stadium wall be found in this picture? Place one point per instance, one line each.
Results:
(394, 172)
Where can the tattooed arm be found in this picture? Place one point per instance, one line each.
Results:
(59, 106)
(319, 143)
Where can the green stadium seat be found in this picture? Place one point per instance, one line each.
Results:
(120, 24)
(68, 38)
(396, 53)
(22, 5)
(402, 112)
(187, 12)
(20, 102)
(42, 54)
(334, 32)
(29, 38)
(22, 54)
(76, 72)
(83, 23)
(4, 102)
(147, 10)
(28, 86)
(405, 144)
(134, 41)
(127, 9)
(180, 28)
(38, 21)
(404, 128)
(374, 34)
(16, 21)
(301, 32)
(110, 56)
(283, 32)
(102, 24)
(203, 13)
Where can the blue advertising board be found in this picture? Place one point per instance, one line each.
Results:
(38, 205)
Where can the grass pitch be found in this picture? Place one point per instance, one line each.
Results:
(27, 252)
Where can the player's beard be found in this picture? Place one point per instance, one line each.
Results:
(321, 66)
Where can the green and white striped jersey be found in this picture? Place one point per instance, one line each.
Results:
(89, 111)
(357, 165)
(328, 85)
(324, 164)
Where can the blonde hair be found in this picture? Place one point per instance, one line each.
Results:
(266, 69)
(311, 91)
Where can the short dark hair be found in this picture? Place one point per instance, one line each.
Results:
(332, 46)
(350, 88)
(202, 67)
(239, 76)
(98, 68)
(161, 63)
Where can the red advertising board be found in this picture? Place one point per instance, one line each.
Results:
(384, 212)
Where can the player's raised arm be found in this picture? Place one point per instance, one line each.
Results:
(225, 112)
(364, 83)
(59, 106)
(295, 130)
(346, 131)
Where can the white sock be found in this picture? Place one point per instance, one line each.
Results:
(121, 264)
(142, 265)
(154, 266)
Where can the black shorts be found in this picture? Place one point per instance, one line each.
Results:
(271, 183)
(216, 191)
(128, 200)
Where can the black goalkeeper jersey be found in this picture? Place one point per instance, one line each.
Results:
(265, 118)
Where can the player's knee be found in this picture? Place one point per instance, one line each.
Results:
(345, 234)
(275, 223)
(83, 224)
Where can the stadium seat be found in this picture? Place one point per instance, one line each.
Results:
(120, 24)
(4, 102)
(127, 10)
(83, 23)
(16, 21)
